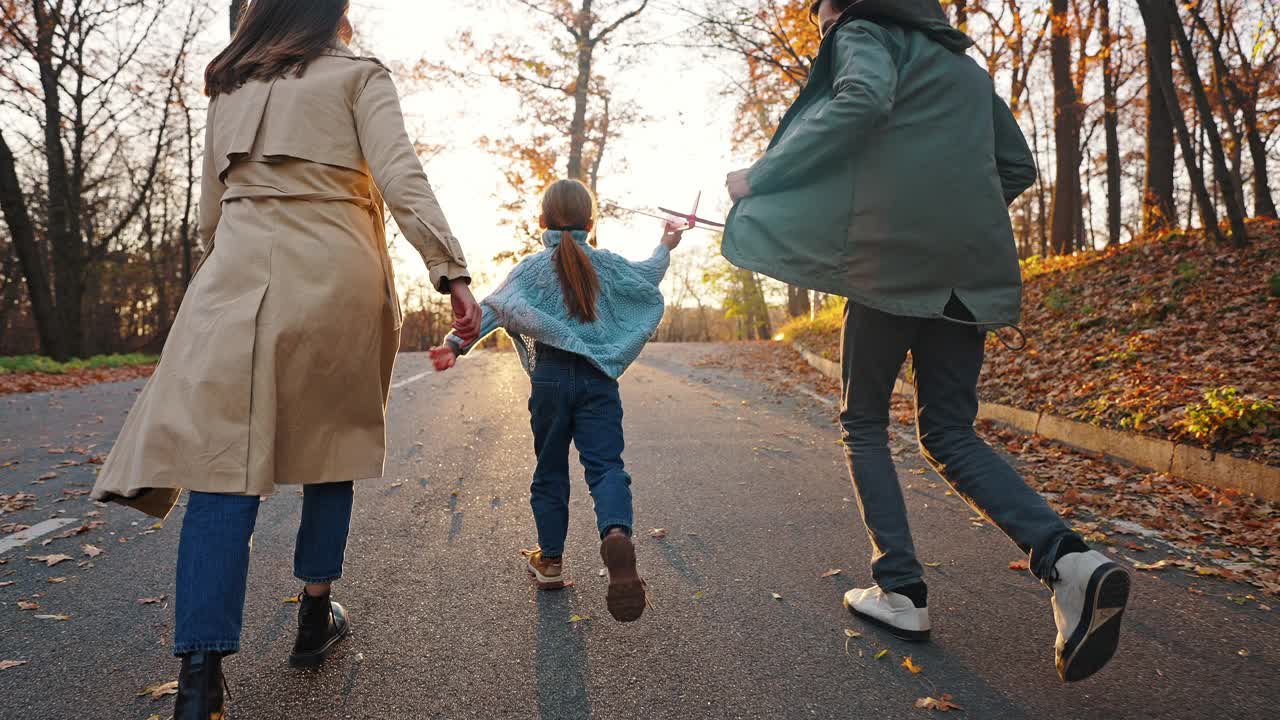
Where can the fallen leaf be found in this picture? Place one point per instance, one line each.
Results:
(914, 668)
(1019, 565)
(28, 605)
(602, 572)
(152, 600)
(776, 596)
(658, 533)
(933, 564)
(575, 619)
(159, 690)
(1244, 652)
(6, 583)
(59, 618)
(849, 635)
(881, 654)
(7, 664)
(50, 560)
(943, 705)
(293, 599)
(56, 581)
(831, 573)
(697, 595)
(91, 551)
(1160, 565)
(158, 526)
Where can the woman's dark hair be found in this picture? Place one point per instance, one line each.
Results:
(839, 5)
(569, 205)
(275, 38)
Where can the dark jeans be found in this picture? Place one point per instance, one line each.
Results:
(572, 400)
(947, 358)
(213, 560)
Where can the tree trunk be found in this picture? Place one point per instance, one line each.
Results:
(581, 88)
(1158, 209)
(797, 301)
(1110, 121)
(1067, 115)
(27, 248)
(1230, 195)
(1247, 105)
(1155, 12)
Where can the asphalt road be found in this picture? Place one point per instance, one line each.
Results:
(755, 500)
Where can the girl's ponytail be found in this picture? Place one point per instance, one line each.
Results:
(578, 279)
(568, 205)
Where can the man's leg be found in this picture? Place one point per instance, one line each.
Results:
(874, 345)
(947, 358)
(1090, 592)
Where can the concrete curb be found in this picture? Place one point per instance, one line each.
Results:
(1185, 461)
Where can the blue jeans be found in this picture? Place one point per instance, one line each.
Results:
(572, 400)
(946, 358)
(213, 560)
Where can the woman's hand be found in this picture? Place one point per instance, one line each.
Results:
(443, 358)
(466, 311)
(672, 234)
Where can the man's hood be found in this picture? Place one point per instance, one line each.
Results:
(926, 16)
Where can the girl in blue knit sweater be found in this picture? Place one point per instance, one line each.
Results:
(579, 317)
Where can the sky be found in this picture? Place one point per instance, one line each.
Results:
(682, 149)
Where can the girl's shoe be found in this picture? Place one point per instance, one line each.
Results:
(322, 623)
(548, 574)
(892, 611)
(200, 686)
(1089, 599)
(626, 596)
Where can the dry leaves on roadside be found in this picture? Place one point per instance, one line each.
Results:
(90, 550)
(151, 600)
(831, 573)
(849, 634)
(49, 560)
(575, 619)
(881, 654)
(159, 690)
(8, 664)
(28, 605)
(1160, 565)
(910, 665)
(658, 533)
(1019, 565)
(776, 596)
(941, 705)
(58, 618)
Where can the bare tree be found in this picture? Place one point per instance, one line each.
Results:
(75, 81)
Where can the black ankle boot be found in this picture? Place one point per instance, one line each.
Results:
(200, 686)
(321, 624)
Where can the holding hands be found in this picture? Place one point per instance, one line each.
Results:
(466, 311)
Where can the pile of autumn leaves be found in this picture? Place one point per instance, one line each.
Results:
(1173, 336)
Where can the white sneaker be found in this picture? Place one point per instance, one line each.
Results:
(1089, 598)
(890, 610)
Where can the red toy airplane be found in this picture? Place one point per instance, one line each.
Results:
(691, 219)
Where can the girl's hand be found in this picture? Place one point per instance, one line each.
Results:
(443, 357)
(672, 234)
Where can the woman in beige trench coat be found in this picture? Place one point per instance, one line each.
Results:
(278, 365)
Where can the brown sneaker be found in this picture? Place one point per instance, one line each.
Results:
(626, 595)
(549, 574)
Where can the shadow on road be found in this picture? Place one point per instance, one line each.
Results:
(561, 660)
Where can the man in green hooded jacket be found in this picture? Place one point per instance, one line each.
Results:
(888, 182)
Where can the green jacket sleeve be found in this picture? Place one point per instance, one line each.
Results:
(1014, 162)
(866, 78)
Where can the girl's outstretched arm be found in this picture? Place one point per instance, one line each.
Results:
(655, 268)
(445, 355)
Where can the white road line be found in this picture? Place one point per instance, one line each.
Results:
(414, 379)
(19, 539)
